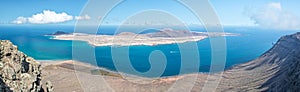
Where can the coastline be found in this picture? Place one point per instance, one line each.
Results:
(45, 63)
(81, 79)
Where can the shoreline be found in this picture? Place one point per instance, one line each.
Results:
(66, 79)
(78, 64)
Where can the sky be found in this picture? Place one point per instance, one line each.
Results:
(277, 14)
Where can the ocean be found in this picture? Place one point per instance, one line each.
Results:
(31, 40)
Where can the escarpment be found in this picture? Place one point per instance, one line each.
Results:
(286, 56)
(277, 70)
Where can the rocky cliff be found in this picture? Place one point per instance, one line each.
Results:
(18, 72)
(285, 55)
(276, 70)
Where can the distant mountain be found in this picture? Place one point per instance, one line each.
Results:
(167, 32)
(59, 33)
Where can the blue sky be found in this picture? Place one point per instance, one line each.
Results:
(230, 12)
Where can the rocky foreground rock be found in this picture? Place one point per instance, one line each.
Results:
(18, 72)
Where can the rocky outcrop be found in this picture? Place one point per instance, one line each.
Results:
(18, 72)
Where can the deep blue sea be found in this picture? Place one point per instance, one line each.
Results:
(31, 40)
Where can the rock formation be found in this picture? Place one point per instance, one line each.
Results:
(18, 72)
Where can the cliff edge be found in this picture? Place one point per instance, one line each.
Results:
(285, 55)
(277, 70)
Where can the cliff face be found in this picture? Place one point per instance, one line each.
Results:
(286, 56)
(18, 72)
(276, 70)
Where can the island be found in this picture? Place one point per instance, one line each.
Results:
(164, 36)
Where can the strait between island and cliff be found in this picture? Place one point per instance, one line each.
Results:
(275, 70)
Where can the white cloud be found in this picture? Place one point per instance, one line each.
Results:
(273, 16)
(85, 17)
(49, 17)
(45, 17)
(20, 20)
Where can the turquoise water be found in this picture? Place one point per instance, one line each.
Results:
(31, 40)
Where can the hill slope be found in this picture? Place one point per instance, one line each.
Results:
(276, 70)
